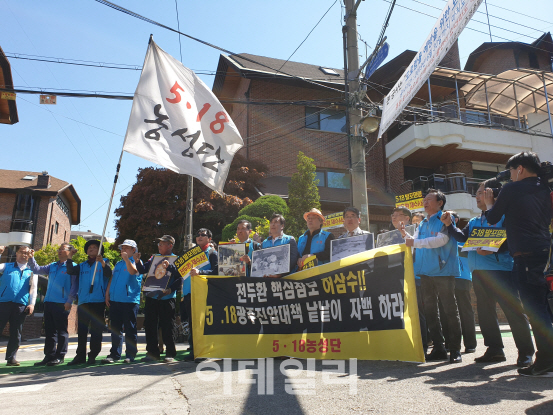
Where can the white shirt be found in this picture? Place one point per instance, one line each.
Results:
(34, 282)
(437, 241)
(357, 231)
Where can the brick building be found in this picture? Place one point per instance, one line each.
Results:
(8, 107)
(461, 128)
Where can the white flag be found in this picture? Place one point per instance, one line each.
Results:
(178, 123)
(455, 16)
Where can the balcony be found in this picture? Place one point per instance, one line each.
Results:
(460, 191)
(22, 225)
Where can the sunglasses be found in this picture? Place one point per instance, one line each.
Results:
(200, 234)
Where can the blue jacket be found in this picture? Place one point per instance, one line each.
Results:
(317, 243)
(98, 294)
(124, 287)
(15, 284)
(436, 262)
(501, 261)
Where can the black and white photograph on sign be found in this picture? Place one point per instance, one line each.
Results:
(229, 260)
(158, 276)
(344, 247)
(271, 261)
(394, 237)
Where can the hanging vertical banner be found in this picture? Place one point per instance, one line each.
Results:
(363, 306)
(178, 123)
(453, 19)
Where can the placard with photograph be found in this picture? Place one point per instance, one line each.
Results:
(271, 261)
(394, 237)
(229, 260)
(158, 276)
(344, 247)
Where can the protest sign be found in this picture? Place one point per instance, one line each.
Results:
(489, 239)
(364, 307)
(310, 262)
(271, 261)
(394, 237)
(158, 276)
(193, 258)
(229, 260)
(334, 220)
(344, 247)
(411, 201)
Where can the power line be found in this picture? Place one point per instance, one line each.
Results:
(519, 13)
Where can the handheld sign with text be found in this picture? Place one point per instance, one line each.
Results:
(411, 201)
(193, 258)
(158, 275)
(334, 220)
(489, 239)
(310, 262)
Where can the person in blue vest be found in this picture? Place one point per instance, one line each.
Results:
(315, 241)
(463, 285)
(493, 284)
(159, 311)
(437, 263)
(57, 305)
(123, 298)
(203, 240)
(243, 231)
(91, 305)
(18, 291)
(277, 237)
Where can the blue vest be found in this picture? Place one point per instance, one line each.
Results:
(317, 243)
(501, 261)
(186, 285)
(124, 288)
(285, 239)
(464, 268)
(15, 284)
(59, 283)
(436, 262)
(98, 294)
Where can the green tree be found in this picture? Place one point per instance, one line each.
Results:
(303, 195)
(47, 254)
(265, 206)
(229, 231)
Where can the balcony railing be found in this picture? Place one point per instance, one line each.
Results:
(447, 183)
(22, 225)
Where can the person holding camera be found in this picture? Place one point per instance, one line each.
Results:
(526, 204)
(492, 282)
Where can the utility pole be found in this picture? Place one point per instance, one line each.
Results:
(353, 114)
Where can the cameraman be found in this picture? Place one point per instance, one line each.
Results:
(526, 204)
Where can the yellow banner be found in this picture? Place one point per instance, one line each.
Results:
(193, 258)
(489, 239)
(411, 200)
(363, 306)
(334, 220)
(10, 96)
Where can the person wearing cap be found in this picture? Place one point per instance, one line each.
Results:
(159, 311)
(315, 241)
(123, 298)
(57, 305)
(91, 302)
(352, 219)
(18, 288)
(278, 237)
(203, 240)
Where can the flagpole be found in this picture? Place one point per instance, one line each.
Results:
(107, 218)
(189, 211)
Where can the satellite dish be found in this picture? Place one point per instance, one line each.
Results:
(370, 124)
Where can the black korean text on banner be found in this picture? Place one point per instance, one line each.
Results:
(367, 296)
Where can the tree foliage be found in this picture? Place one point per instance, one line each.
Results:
(229, 231)
(303, 195)
(156, 204)
(49, 253)
(265, 206)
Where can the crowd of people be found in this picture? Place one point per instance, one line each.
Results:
(516, 277)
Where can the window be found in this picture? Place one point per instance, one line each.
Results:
(62, 206)
(23, 213)
(325, 120)
(56, 227)
(533, 60)
(29, 177)
(333, 179)
(328, 71)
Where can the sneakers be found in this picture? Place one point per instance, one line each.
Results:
(455, 357)
(108, 360)
(537, 370)
(169, 359)
(128, 360)
(491, 356)
(55, 362)
(470, 350)
(524, 361)
(77, 361)
(43, 362)
(436, 354)
(12, 362)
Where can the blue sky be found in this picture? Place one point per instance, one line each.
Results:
(79, 139)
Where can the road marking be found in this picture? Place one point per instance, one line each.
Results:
(25, 388)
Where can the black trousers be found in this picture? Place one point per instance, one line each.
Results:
(466, 314)
(160, 313)
(422, 318)
(187, 300)
(55, 327)
(443, 288)
(492, 287)
(13, 313)
(90, 315)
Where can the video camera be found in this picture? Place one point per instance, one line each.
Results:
(546, 174)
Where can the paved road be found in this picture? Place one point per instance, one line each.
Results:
(176, 388)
